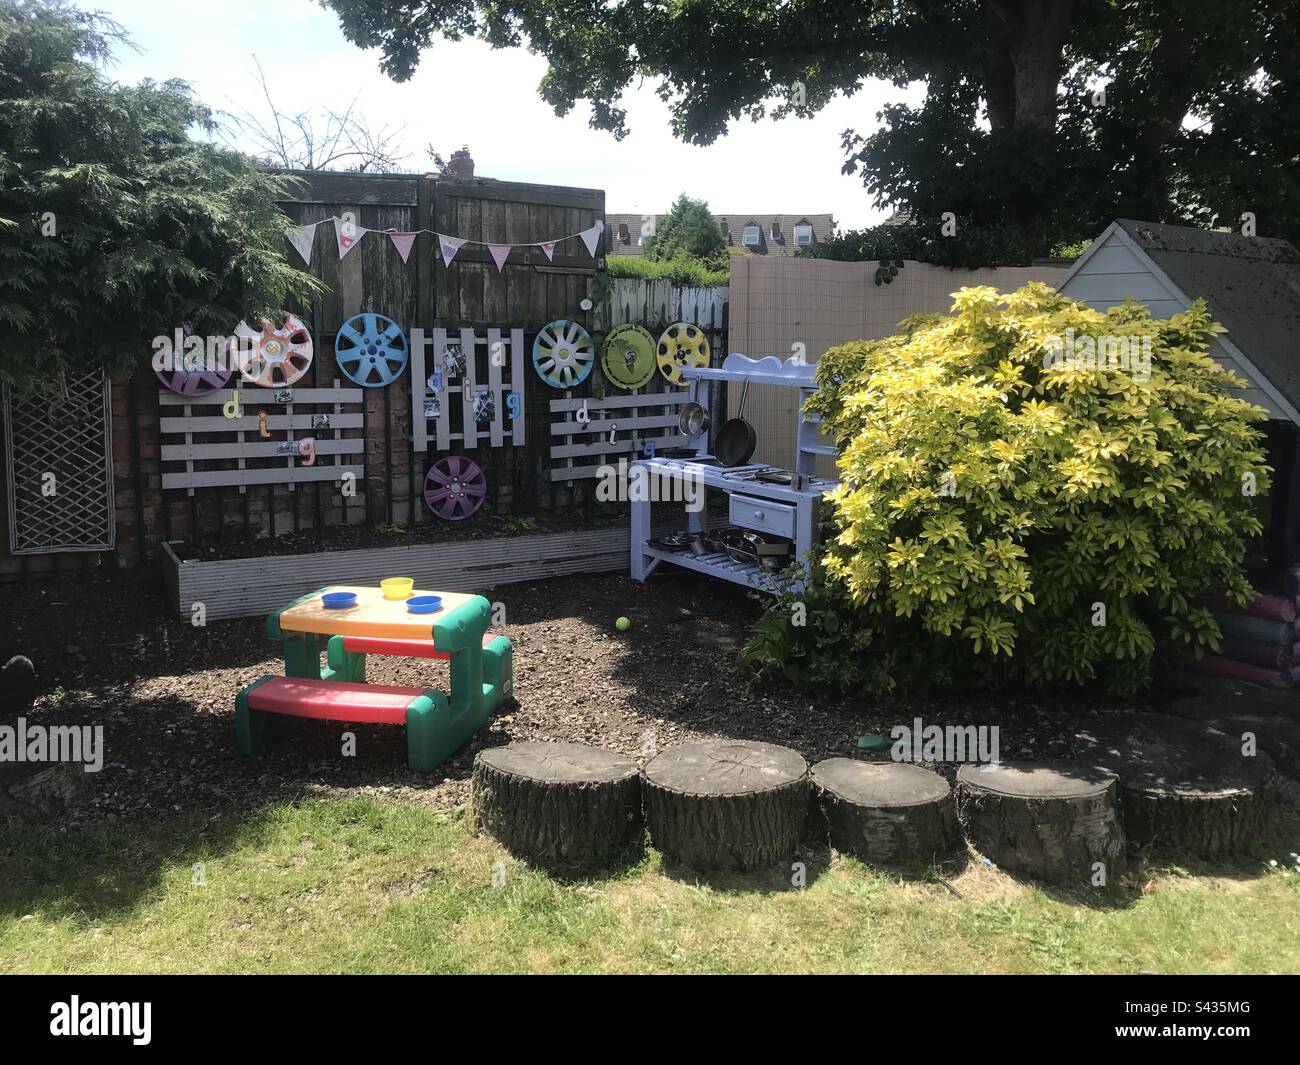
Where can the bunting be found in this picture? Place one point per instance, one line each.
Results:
(347, 235)
(450, 246)
(302, 238)
(403, 242)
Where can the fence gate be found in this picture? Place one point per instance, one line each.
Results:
(59, 468)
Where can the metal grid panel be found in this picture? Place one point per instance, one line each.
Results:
(59, 468)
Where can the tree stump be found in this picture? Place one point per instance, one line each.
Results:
(560, 805)
(726, 804)
(1184, 787)
(885, 812)
(1048, 820)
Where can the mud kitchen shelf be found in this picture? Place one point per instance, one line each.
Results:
(761, 498)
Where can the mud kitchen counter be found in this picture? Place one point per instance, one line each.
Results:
(765, 499)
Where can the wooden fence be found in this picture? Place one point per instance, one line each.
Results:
(183, 473)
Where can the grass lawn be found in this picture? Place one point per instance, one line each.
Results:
(373, 885)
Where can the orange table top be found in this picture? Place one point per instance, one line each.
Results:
(373, 615)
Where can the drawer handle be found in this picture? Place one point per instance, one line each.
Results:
(758, 514)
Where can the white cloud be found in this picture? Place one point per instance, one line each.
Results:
(465, 93)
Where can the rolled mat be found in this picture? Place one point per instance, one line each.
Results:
(1268, 655)
(1227, 667)
(1274, 607)
(1277, 633)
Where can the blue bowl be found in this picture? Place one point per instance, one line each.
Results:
(339, 600)
(424, 604)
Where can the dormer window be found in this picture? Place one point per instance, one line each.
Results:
(623, 236)
(777, 236)
(803, 233)
(753, 235)
(726, 231)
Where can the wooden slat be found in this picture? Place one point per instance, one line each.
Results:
(570, 427)
(617, 447)
(253, 397)
(252, 449)
(653, 399)
(276, 475)
(469, 349)
(281, 422)
(419, 389)
(496, 354)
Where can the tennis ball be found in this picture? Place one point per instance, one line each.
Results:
(623, 624)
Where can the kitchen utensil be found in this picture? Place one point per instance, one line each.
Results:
(692, 419)
(736, 438)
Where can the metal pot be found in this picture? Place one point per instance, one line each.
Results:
(692, 419)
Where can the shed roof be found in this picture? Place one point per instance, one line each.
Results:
(1251, 284)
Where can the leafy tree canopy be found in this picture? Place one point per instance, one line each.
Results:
(1198, 121)
(115, 226)
(688, 231)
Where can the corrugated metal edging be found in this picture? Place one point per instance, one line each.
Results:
(251, 586)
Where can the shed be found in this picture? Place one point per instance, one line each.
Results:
(1252, 286)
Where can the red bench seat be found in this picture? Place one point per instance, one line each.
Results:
(372, 645)
(334, 700)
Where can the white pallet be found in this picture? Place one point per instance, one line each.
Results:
(454, 420)
(616, 428)
(201, 414)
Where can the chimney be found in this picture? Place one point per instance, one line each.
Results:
(461, 164)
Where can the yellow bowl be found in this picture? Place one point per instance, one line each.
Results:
(397, 587)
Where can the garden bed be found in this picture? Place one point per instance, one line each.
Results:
(251, 586)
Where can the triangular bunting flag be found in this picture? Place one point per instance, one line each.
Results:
(403, 242)
(450, 246)
(500, 253)
(548, 246)
(591, 237)
(302, 238)
(348, 234)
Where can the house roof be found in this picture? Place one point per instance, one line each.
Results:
(1251, 284)
(624, 231)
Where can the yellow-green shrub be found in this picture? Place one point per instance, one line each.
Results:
(994, 508)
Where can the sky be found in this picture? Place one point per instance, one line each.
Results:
(464, 93)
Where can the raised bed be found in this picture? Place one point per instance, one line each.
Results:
(247, 587)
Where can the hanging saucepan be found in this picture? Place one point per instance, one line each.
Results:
(692, 419)
(736, 439)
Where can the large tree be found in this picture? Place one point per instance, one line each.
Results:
(1197, 121)
(115, 225)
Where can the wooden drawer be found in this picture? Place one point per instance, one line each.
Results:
(762, 515)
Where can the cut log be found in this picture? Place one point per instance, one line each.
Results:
(1048, 820)
(885, 812)
(1184, 787)
(1276, 733)
(559, 805)
(726, 804)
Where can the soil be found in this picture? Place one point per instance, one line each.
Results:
(107, 653)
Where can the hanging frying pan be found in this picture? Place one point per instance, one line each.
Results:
(736, 438)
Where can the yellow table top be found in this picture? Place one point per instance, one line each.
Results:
(373, 615)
